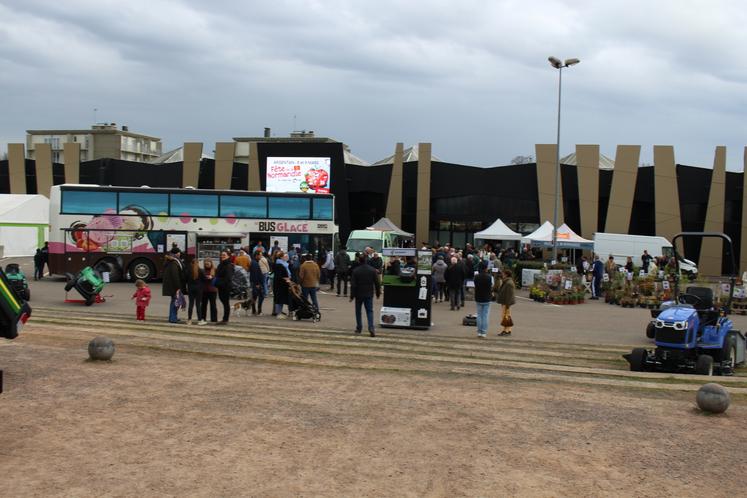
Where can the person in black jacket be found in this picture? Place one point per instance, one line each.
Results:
(280, 282)
(257, 280)
(363, 284)
(483, 293)
(342, 269)
(194, 277)
(173, 283)
(454, 281)
(223, 281)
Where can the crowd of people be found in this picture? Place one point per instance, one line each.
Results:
(198, 287)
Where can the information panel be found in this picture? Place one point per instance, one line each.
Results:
(298, 174)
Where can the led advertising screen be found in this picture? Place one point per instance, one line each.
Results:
(298, 174)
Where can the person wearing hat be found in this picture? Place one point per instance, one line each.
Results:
(342, 269)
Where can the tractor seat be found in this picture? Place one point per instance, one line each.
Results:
(706, 314)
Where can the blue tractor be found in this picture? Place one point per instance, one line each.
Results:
(690, 333)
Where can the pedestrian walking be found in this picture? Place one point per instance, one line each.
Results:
(308, 278)
(364, 283)
(174, 286)
(483, 294)
(142, 299)
(329, 269)
(44, 259)
(506, 297)
(597, 274)
(257, 281)
(223, 282)
(280, 285)
(38, 271)
(439, 278)
(209, 291)
(195, 284)
(454, 276)
(342, 269)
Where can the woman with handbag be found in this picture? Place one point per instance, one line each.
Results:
(506, 297)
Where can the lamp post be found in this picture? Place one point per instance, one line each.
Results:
(557, 64)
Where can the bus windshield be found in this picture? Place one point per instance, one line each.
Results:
(359, 245)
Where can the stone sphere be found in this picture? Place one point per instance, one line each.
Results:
(713, 398)
(101, 348)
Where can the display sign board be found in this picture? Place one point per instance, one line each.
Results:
(398, 317)
(298, 174)
(425, 262)
(398, 251)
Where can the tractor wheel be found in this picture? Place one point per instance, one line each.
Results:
(704, 365)
(729, 353)
(90, 300)
(650, 330)
(27, 294)
(638, 360)
(70, 281)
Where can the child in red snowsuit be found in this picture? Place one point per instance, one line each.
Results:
(142, 299)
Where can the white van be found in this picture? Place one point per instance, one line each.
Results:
(377, 240)
(621, 245)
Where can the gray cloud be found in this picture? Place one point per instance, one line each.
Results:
(471, 77)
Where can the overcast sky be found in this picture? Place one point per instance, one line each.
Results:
(471, 77)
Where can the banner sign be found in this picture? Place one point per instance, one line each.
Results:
(298, 174)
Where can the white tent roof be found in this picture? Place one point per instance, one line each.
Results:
(18, 208)
(351, 158)
(604, 161)
(498, 231)
(174, 156)
(566, 237)
(408, 155)
(386, 225)
(540, 233)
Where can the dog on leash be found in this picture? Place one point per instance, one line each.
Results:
(245, 306)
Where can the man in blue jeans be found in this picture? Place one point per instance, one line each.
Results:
(483, 290)
(364, 283)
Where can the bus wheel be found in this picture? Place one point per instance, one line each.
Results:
(142, 269)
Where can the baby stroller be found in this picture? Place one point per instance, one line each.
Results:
(240, 284)
(17, 280)
(303, 309)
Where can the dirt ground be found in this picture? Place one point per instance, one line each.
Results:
(161, 423)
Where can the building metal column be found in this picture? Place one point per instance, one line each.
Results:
(743, 245)
(71, 153)
(394, 199)
(192, 154)
(546, 168)
(17, 168)
(666, 193)
(623, 189)
(711, 248)
(43, 158)
(224, 154)
(254, 181)
(587, 170)
(423, 209)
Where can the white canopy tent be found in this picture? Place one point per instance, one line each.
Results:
(567, 238)
(539, 234)
(24, 223)
(497, 231)
(386, 225)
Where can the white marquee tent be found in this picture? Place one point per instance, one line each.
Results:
(24, 223)
(567, 238)
(497, 231)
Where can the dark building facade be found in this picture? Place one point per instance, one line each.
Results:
(458, 200)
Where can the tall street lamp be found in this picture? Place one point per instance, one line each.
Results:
(557, 64)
